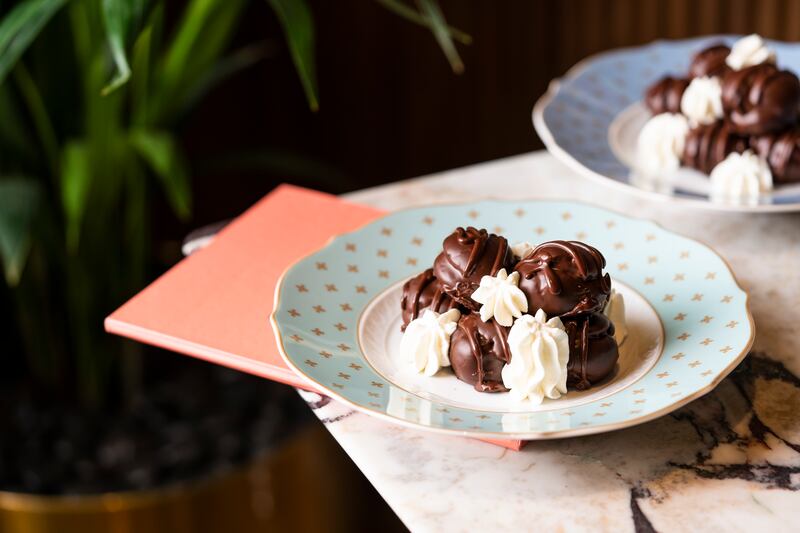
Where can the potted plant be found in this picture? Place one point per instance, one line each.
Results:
(92, 96)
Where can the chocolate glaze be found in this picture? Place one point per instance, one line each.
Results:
(564, 278)
(710, 62)
(782, 152)
(760, 99)
(468, 255)
(421, 292)
(706, 145)
(478, 352)
(593, 352)
(664, 96)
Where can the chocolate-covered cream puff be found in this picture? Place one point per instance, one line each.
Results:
(760, 99)
(782, 153)
(478, 352)
(468, 255)
(564, 278)
(708, 144)
(710, 62)
(593, 351)
(421, 292)
(664, 96)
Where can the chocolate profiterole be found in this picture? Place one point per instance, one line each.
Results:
(782, 153)
(564, 278)
(593, 352)
(664, 96)
(478, 352)
(707, 145)
(710, 62)
(468, 255)
(421, 292)
(760, 99)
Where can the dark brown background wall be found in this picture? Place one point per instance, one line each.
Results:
(390, 106)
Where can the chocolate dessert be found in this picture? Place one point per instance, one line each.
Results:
(664, 96)
(748, 106)
(564, 278)
(707, 145)
(760, 99)
(593, 352)
(467, 256)
(710, 62)
(421, 292)
(478, 352)
(557, 280)
(781, 153)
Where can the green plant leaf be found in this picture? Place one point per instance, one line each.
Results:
(15, 140)
(160, 151)
(20, 27)
(140, 82)
(37, 109)
(194, 18)
(298, 27)
(76, 179)
(431, 11)
(200, 38)
(19, 203)
(119, 17)
(401, 9)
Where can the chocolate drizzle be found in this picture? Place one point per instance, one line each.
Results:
(422, 292)
(760, 99)
(781, 152)
(584, 358)
(468, 255)
(564, 278)
(664, 96)
(593, 352)
(710, 62)
(478, 352)
(707, 145)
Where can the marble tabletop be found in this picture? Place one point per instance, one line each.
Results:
(728, 461)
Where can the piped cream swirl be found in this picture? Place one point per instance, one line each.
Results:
(660, 144)
(740, 178)
(426, 340)
(702, 100)
(501, 298)
(749, 51)
(539, 356)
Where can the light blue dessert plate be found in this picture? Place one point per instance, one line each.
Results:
(578, 118)
(337, 313)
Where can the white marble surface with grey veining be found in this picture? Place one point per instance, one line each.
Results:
(729, 461)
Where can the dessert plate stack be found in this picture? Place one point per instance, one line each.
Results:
(592, 117)
(337, 319)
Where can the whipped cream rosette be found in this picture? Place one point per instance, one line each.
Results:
(660, 143)
(426, 341)
(702, 100)
(500, 298)
(741, 176)
(539, 357)
(749, 51)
